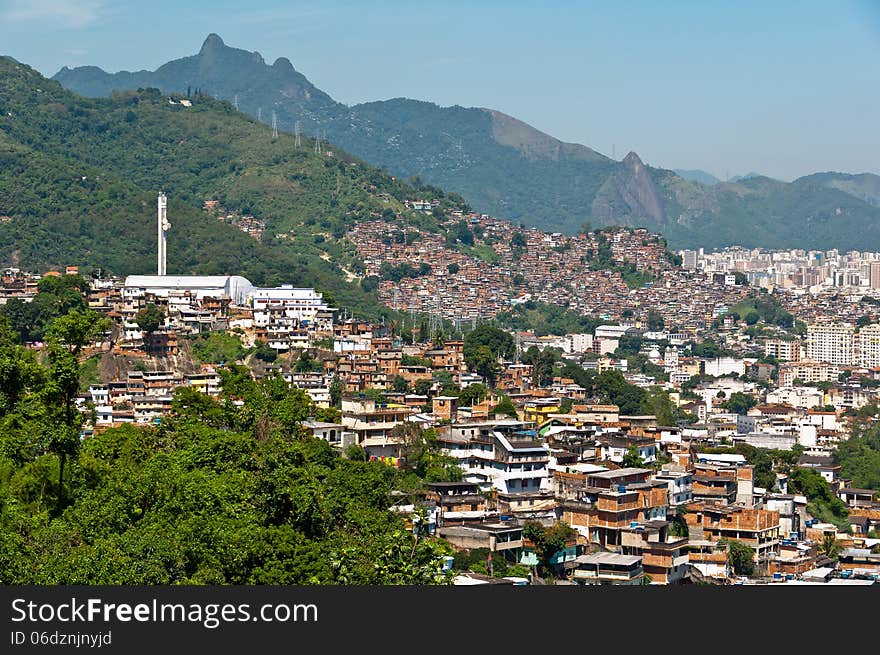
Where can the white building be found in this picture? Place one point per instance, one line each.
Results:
(286, 301)
(807, 372)
(232, 287)
(721, 366)
(869, 346)
(679, 484)
(580, 343)
(830, 342)
(500, 454)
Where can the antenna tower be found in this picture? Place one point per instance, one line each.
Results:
(296, 141)
(235, 102)
(259, 113)
(274, 126)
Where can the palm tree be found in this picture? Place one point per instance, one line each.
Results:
(830, 547)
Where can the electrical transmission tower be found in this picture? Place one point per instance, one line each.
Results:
(235, 102)
(296, 141)
(259, 114)
(274, 126)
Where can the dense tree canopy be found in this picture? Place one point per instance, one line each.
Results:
(228, 491)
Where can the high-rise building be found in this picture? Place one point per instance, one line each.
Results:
(830, 342)
(869, 346)
(689, 260)
(786, 351)
(875, 275)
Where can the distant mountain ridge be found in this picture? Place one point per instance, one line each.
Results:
(696, 175)
(507, 168)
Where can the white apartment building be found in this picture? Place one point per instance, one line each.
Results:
(784, 351)
(830, 342)
(499, 454)
(285, 302)
(807, 372)
(580, 343)
(869, 346)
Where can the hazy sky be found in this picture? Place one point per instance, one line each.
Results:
(782, 88)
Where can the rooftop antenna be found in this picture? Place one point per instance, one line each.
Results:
(296, 141)
(235, 102)
(274, 126)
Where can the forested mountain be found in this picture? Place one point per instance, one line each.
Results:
(509, 169)
(864, 185)
(79, 179)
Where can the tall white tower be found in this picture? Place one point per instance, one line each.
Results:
(162, 225)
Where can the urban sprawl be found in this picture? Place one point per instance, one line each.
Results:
(756, 351)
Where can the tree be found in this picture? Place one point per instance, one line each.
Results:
(548, 541)
(306, 363)
(264, 352)
(77, 329)
(499, 342)
(632, 459)
(484, 362)
(472, 394)
(399, 384)
(150, 318)
(740, 557)
(507, 408)
(739, 402)
(654, 320)
(423, 387)
(613, 388)
(830, 547)
(678, 526)
(336, 390)
(542, 367)
(822, 503)
(752, 317)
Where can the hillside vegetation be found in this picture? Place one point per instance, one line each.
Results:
(79, 179)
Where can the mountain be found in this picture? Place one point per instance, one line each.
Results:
(865, 186)
(697, 176)
(79, 179)
(747, 176)
(507, 168)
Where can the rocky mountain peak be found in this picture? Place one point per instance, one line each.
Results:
(212, 43)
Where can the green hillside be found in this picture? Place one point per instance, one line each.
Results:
(79, 179)
(511, 170)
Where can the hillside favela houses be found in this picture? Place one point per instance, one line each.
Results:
(677, 447)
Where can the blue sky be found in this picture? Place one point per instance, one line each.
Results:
(782, 88)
